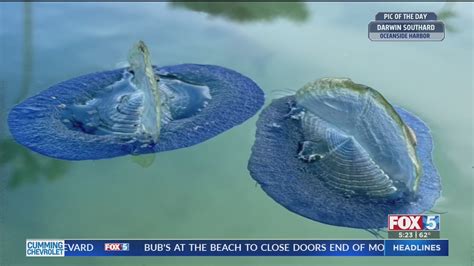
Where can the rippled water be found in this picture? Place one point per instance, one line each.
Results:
(205, 191)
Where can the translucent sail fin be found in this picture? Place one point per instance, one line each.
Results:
(146, 82)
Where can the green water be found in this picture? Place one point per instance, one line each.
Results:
(205, 191)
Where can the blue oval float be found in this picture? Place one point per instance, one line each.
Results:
(112, 113)
(295, 172)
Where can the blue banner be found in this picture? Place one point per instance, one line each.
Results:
(74, 248)
(401, 247)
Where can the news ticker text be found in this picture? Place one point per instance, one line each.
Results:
(238, 247)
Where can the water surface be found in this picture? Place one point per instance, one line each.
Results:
(205, 191)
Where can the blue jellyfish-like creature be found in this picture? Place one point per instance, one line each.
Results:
(135, 110)
(337, 152)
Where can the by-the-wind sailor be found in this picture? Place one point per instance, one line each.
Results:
(135, 110)
(338, 153)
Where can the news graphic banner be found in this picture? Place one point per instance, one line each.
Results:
(406, 26)
(414, 235)
(390, 247)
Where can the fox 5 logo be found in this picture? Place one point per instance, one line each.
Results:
(116, 246)
(413, 222)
